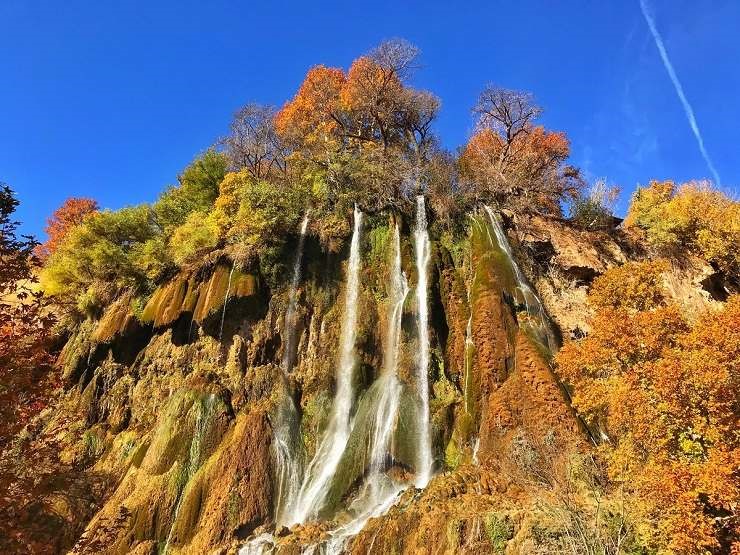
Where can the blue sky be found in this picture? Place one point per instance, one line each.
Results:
(111, 99)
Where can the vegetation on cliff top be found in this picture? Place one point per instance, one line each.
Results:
(663, 393)
(362, 136)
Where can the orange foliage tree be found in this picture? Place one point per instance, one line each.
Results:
(364, 136)
(71, 213)
(313, 117)
(511, 161)
(663, 395)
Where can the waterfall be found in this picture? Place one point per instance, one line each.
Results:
(288, 455)
(423, 252)
(535, 311)
(289, 327)
(324, 463)
(469, 354)
(379, 492)
(202, 423)
(287, 447)
(226, 301)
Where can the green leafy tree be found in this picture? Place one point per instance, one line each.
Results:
(198, 235)
(99, 258)
(197, 191)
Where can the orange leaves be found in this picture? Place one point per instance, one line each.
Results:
(312, 115)
(529, 165)
(69, 214)
(366, 81)
(531, 152)
(634, 286)
(482, 151)
(666, 396)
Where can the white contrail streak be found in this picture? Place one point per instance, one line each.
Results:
(679, 90)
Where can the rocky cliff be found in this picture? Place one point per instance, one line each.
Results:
(171, 415)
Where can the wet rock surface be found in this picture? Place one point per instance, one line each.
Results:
(169, 413)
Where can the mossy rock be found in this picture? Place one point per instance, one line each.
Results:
(355, 459)
(184, 294)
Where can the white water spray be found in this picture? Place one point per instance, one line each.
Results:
(379, 492)
(533, 305)
(469, 353)
(290, 313)
(423, 252)
(202, 424)
(320, 471)
(226, 301)
(288, 449)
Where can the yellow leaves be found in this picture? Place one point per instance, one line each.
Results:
(633, 286)
(666, 395)
(693, 216)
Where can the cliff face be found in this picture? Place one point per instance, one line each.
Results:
(171, 411)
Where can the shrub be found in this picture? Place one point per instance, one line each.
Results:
(694, 216)
(595, 210)
(634, 286)
(199, 234)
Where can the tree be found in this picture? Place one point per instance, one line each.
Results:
(507, 112)
(693, 216)
(664, 395)
(310, 121)
(99, 259)
(197, 191)
(25, 326)
(253, 143)
(364, 136)
(71, 213)
(510, 161)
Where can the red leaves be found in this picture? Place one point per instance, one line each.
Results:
(69, 214)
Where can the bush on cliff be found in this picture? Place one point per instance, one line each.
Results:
(664, 395)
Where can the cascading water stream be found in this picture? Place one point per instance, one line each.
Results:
(423, 252)
(290, 312)
(322, 467)
(202, 423)
(469, 353)
(288, 450)
(379, 492)
(226, 302)
(536, 312)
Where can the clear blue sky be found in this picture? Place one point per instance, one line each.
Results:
(111, 99)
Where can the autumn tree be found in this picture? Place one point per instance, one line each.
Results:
(71, 213)
(364, 135)
(663, 395)
(99, 259)
(253, 144)
(25, 325)
(311, 120)
(693, 216)
(511, 161)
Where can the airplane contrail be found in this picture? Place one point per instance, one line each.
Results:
(679, 90)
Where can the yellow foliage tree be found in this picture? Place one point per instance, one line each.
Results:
(694, 215)
(664, 396)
